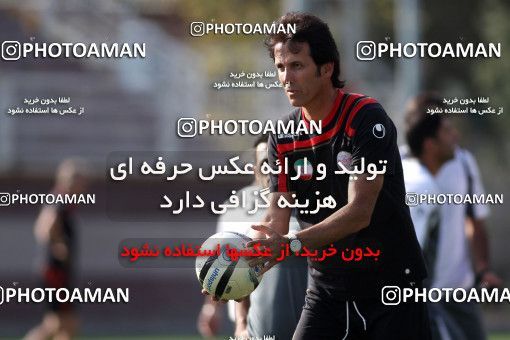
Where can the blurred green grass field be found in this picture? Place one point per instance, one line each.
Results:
(493, 336)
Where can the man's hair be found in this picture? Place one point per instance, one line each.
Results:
(421, 125)
(313, 31)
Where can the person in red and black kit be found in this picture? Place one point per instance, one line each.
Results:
(344, 299)
(55, 230)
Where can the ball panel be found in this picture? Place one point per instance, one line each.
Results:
(222, 277)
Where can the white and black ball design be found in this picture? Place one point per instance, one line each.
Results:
(220, 275)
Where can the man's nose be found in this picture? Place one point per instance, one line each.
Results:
(287, 77)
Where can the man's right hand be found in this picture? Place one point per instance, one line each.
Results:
(213, 297)
(241, 332)
(209, 319)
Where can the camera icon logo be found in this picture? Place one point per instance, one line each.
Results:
(197, 29)
(365, 50)
(390, 295)
(5, 199)
(187, 127)
(411, 199)
(11, 50)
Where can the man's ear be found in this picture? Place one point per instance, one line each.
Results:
(327, 69)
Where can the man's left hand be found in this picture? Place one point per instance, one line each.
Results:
(273, 242)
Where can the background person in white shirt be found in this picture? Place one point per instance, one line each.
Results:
(282, 286)
(426, 217)
(461, 175)
(449, 259)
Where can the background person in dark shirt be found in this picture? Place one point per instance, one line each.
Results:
(55, 230)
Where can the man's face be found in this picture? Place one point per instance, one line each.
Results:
(446, 140)
(298, 73)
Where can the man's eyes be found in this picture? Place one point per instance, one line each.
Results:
(293, 65)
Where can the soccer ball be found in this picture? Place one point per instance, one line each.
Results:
(225, 276)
